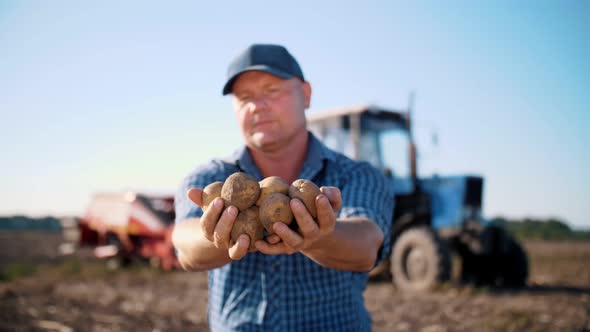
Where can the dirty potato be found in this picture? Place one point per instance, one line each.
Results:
(306, 191)
(272, 184)
(240, 190)
(275, 208)
(247, 222)
(211, 192)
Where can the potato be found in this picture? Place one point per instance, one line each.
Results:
(240, 190)
(275, 208)
(272, 184)
(247, 222)
(306, 191)
(211, 192)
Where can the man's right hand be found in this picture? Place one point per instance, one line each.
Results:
(216, 224)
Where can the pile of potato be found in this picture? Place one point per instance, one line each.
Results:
(260, 204)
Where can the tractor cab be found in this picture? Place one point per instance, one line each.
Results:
(432, 216)
(383, 137)
(380, 136)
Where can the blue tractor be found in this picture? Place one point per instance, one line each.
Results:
(435, 218)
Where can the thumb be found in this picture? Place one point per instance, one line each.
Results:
(334, 196)
(196, 196)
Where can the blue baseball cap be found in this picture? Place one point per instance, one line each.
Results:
(272, 59)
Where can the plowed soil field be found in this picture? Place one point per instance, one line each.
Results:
(43, 291)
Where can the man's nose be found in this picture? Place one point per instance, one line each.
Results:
(258, 103)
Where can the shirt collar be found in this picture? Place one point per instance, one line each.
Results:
(317, 153)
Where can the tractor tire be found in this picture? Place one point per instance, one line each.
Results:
(475, 269)
(504, 265)
(513, 268)
(420, 260)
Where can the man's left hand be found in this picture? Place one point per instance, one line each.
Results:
(287, 241)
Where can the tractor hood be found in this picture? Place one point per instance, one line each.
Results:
(454, 199)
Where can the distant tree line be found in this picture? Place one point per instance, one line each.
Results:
(526, 228)
(541, 229)
(51, 224)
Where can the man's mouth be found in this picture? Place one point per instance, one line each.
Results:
(261, 123)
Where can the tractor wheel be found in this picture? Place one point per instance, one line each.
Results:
(475, 269)
(419, 260)
(504, 265)
(513, 267)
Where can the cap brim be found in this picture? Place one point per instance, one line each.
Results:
(227, 88)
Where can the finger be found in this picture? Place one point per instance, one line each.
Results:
(196, 196)
(307, 226)
(273, 249)
(334, 196)
(326, 216)
(273, 239)
(222, 232)
(239, 249)
(210, 217)
(290, 239)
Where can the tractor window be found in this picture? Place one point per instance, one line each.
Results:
(394, 145)
(370, 148)
(338, 139)
(386, 150)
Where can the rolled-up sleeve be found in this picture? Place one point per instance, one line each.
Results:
(368, 193)
(199, 178)
(183, 206)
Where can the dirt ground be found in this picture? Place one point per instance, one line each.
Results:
(42, 291)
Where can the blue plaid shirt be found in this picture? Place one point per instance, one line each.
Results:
(292, 292)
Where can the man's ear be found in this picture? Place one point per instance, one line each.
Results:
(307, 93)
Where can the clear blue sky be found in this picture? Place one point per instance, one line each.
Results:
(126, 95)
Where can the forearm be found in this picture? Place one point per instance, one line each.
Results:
(195, 252)
(353, 246)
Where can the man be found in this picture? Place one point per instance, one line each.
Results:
(311, 279)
